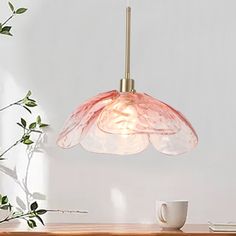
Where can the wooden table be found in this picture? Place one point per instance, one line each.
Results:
(105, 229)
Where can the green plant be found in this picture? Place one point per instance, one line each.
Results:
(35, 127)
(5, 29)
(28, 129)
(33, 213)
(26, 102)
(29, 216)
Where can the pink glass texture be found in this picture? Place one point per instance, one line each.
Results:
(125, 123)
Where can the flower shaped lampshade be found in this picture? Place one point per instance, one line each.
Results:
(126, 122)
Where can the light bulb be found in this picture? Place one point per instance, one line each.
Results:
(120, 118)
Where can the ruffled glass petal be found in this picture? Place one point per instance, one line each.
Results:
(78, 124)
(124, 123)
(121, 144)
(182, 141)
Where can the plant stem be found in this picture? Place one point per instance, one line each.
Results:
(30, 212)
(30, 154)
(67, 211)
(8, 19)
(20, 140)
(15, 217)
(12, 104)
(13, 145)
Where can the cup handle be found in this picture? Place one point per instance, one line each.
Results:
(160, 213)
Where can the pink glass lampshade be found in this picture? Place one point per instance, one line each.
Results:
(125, 123)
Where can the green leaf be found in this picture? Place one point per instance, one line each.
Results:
(6, 33)
(20, 125)
(21, 10)
(31, 223)
(32, 100)
(38, 120)
(4, 200)
(23, 122)
(40, 219)
(32, 125)
(43, 125)
(28, 94)
(27, 109)
(30, 104)
(28, 142)
(0, 197)
(0, 27)
(6, 28)
(5, 207)
(11, 7)
(34, 206)
(26, 137)
(41, 211)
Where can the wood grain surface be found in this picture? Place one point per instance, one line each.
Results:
(104, 229)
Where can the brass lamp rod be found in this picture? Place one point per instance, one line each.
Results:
(127, 84)
(127, 43)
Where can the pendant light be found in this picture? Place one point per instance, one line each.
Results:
(126, 122)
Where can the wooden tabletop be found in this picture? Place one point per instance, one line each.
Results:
(105, 229)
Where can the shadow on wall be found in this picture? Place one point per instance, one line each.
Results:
(29, 196)
(19, 178)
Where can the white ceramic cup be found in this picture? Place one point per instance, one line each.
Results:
(171, 215)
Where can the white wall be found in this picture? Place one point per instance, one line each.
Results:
(183, 52)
